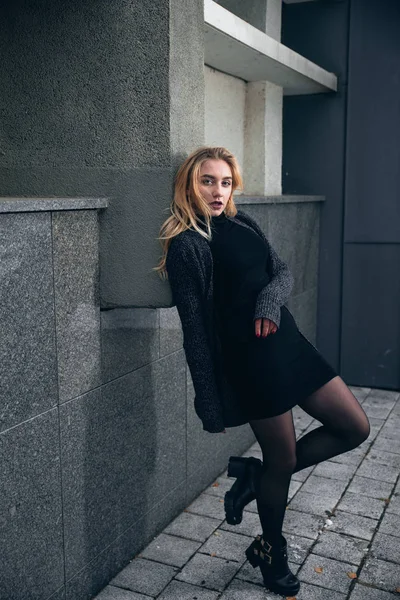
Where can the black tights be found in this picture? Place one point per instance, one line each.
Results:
(344, 426)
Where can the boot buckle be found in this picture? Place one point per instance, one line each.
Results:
(266, 557)
(265, 552)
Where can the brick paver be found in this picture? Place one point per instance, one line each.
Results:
(342, 528)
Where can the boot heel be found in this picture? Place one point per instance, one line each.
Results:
(236, 466)
(251, 557)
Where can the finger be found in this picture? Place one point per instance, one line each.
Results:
(258, 327)
(266, 327)
(274, 328)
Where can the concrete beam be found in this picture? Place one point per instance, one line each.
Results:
(235, 47)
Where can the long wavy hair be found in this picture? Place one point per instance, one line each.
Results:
(189, 210)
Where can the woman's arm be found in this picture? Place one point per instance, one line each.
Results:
(274, 295)
(183, 270)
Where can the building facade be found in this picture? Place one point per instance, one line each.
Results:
(100, 446)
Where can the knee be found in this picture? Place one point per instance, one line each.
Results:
(359, 433)
(285, 463)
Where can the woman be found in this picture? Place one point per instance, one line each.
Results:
(248, 360)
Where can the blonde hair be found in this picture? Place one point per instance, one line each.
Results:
(188, 205)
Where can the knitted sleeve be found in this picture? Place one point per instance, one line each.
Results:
(274, 295)
(184, 273)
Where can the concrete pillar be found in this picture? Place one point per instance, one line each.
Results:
(263, 139)
(104, 99)
(263, 124)
(273, 20)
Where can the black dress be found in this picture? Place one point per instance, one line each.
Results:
(272, 374)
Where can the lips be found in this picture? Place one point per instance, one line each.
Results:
(216, 204)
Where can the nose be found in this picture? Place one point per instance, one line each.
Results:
(218, 191)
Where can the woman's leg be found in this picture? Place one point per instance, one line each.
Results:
(277, 439)
(344, 424)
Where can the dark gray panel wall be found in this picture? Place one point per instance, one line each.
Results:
(371, 315)
(373, 123)
(371, 291)
(346, 147)
(313, 148)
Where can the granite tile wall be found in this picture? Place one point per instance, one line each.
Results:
(76, 277)
(28, 368)
(99, 444)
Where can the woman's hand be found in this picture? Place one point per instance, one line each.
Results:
(264, 327)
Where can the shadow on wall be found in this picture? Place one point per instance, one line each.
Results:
(126, 462)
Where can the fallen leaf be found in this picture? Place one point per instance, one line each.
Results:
(216, 484)
(213, 554)
(397, 590)
(318, 569)
(221, 500)
(290, 597)
(352, 575)
(217, 533)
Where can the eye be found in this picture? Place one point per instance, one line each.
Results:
(226, 183)
(206, 181)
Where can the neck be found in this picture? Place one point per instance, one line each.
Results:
(202, 217)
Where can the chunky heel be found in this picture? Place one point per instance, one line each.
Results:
(251, 557)
(236, 466)
(232, 515)
(246, 471)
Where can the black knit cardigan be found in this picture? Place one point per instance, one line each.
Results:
(189, 266)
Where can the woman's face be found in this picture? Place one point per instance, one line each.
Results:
(216, 184)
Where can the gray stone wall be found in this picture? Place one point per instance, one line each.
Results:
(86, 110)
(100, 446)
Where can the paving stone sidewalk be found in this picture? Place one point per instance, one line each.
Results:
(342, 525)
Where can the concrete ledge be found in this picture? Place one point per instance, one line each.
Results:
(14, 205)
(286, 199)
(239, 49)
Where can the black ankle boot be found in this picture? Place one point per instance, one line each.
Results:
(243, 491)
(273, 563)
